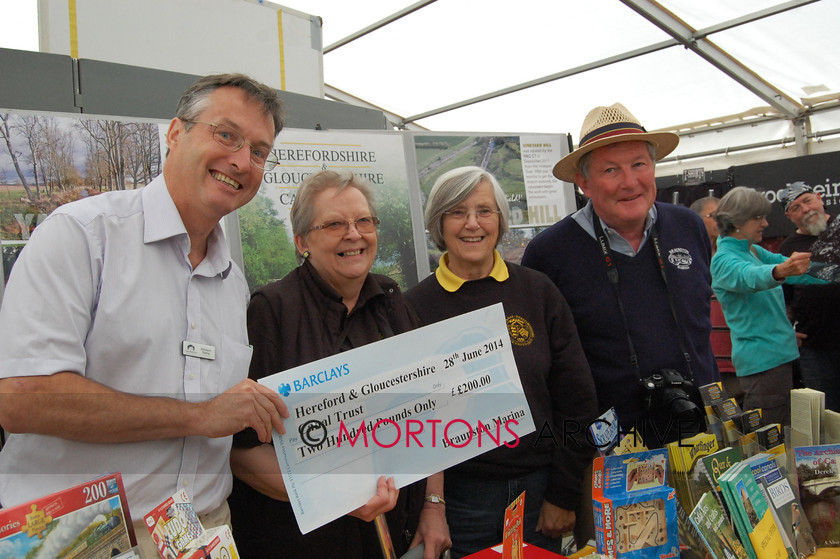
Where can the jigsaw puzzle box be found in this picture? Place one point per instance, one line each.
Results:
(87, 521)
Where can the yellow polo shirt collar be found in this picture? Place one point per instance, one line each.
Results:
(450, 282)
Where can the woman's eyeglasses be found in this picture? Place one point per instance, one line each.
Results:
(363, 225)
(231, 140)
(482, 214)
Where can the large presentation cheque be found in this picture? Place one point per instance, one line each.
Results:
(407, 406)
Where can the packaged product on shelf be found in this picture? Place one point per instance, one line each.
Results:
(173, 525)
(635, 509)
(85, 521)
(178, 533)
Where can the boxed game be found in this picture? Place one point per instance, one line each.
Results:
(635, 511)
(87, 521)
(215, 543)
(178, 533)
(173, 525)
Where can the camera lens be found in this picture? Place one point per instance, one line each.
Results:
(684, 409)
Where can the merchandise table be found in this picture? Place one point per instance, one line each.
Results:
(529, 552)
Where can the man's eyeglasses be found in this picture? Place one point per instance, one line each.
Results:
(364, 225)
(481, 214)
(261, 157)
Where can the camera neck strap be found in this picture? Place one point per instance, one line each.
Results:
(612, 276)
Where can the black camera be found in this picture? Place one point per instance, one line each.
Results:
(666, 391)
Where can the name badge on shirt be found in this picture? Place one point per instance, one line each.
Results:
(202, 351)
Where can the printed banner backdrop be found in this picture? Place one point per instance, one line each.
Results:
(377, 157)
(522, 165)
(821, 171)
(50, 159)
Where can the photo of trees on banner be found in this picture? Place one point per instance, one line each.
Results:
(47, 160)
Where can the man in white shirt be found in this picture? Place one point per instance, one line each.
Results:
(122, 329)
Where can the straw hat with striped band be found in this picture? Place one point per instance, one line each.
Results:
(608, 125)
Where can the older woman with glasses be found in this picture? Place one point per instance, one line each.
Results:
(467, 215)
(329, 304)
(747, 280)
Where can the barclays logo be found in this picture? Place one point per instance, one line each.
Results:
(321, 377)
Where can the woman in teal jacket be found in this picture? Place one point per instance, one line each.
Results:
(747, 280)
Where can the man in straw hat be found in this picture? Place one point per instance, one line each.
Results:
(619, 262)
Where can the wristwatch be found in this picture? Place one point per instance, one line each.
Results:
(437, 499)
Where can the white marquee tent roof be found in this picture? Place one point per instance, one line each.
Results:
(726, 75)
(741, 81)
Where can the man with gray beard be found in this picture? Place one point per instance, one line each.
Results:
(815, 309)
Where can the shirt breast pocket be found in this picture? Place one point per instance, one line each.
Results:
(234, 360)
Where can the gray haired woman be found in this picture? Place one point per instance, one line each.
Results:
(329, 304)
(466, 215)
(747, 280)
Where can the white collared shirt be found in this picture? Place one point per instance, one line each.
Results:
(583, 217)
(105, 289)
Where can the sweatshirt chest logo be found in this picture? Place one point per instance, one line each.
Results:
(520, 330)
(680, 258)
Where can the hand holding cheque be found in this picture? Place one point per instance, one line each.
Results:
(407, 406)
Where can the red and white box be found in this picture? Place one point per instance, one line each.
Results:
(85, 521)
(215, 543)
(178, 532)
(173, 525)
